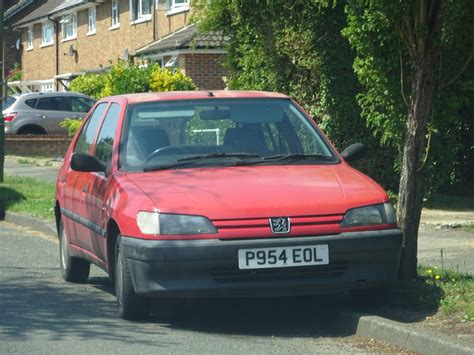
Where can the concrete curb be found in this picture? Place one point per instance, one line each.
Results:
(37, 224)
(406, 336)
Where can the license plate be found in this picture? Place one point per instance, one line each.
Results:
(264, 258)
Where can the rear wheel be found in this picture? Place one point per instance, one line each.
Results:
(73, 269)
(130, 305)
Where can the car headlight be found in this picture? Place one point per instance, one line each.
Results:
(383, 213)
(163, 223)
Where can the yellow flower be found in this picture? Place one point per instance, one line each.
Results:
(437, 277)
(429, 271)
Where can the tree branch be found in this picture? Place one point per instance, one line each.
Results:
(461, 71)
(407, 44)
(402, 86)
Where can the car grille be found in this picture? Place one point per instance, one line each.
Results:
(279, 274)
(260, 227)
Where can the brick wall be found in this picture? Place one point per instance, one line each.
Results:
(101, 49)
(28, 145)
(206, 70)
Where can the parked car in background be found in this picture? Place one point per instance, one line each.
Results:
(224, 193)
(41, 113)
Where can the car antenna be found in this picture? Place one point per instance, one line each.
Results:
(210, 94)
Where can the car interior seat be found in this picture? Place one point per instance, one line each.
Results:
(247, 138)
(151, 138)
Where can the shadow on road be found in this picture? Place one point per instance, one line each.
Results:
(8, 197)
(42, 303)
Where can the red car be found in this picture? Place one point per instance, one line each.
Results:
(224, 193)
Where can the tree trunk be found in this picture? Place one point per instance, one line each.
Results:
(410, 196)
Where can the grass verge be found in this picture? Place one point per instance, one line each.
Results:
(449, 291)
(28, 195)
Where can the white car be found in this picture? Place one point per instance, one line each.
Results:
(41, 113)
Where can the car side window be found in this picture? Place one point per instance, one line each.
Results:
(45, 104)
(81, 104)
(105, 140)
(60, 103)
(31, 102)
(87, 135)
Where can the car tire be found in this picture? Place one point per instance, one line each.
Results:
(31, 131)
(130, 305)
(73, 269)
(370, 297)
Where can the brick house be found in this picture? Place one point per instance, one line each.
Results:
(63, 39)
(14, 11)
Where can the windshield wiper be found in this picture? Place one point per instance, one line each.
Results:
(297, 157)
(191, 160)
(219, 155)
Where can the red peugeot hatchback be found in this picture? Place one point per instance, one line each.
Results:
(225, 193)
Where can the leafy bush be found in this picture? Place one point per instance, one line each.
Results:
(15, 74)
(72, 125)
(165, 80)
(89, 84)
(125, 78)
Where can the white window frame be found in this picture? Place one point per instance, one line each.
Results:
(91, 21)
(115, 14)
(140, 16)
(66, 21)
(45, 39)
(175, 7)
(30, 37)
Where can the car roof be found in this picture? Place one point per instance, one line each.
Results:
(196, 95)
(63, 93)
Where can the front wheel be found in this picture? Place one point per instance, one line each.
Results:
(130, 305)
(73, 269)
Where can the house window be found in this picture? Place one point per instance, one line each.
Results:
(92, 21)
(177, 6)
(30, 37)
(47, 33)
(115, 13)
(69, 26)
(140, 10)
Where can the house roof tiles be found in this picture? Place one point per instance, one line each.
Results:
(186, 38)
(50, 7)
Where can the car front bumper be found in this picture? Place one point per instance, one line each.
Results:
(209, 268)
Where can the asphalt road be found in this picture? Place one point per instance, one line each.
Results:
(40, 313)
(47, 173)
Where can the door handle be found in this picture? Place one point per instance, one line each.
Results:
(85, 188)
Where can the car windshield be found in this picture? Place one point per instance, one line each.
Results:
(8, 102)
(219, 132)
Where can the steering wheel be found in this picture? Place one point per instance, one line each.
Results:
(163, 151)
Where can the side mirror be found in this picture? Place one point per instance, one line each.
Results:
(354, 152)
(87, 163)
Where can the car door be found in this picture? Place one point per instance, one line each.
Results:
(101, 185)
(77, 217)
(51, 110)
